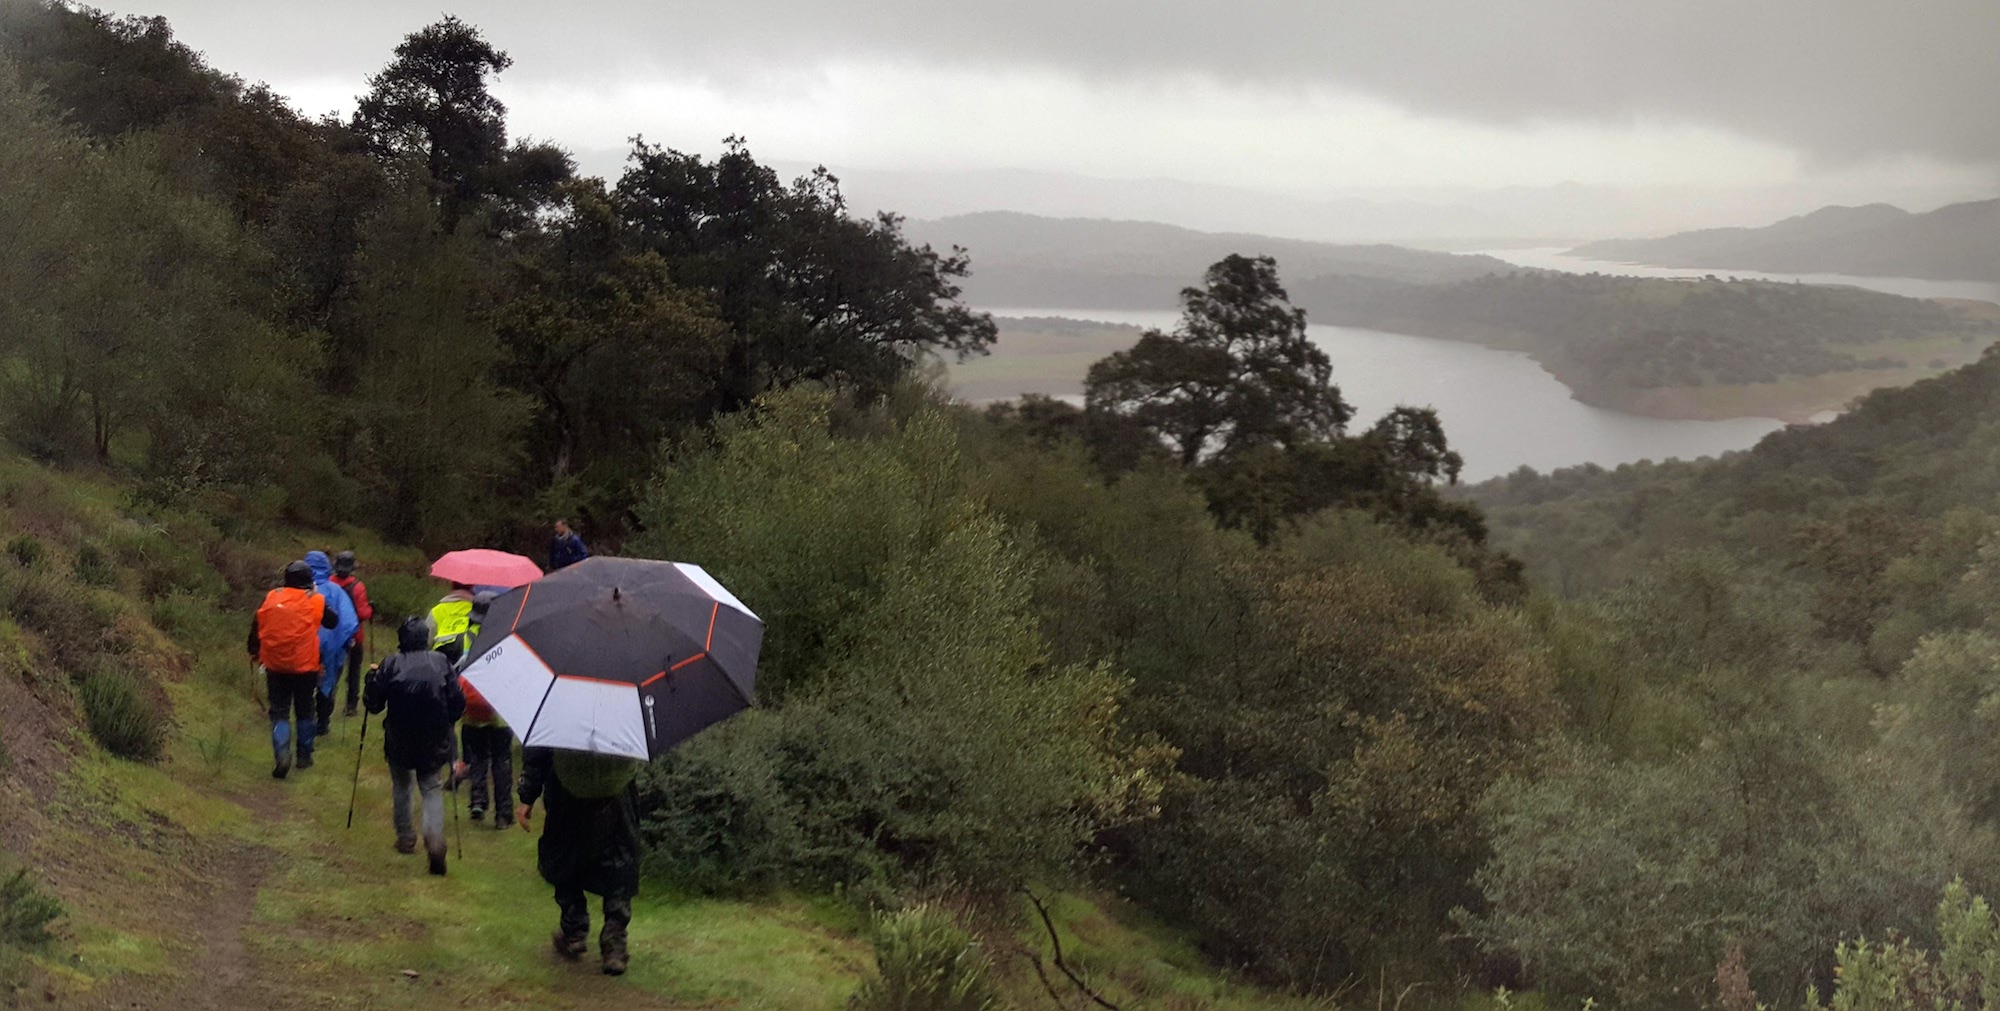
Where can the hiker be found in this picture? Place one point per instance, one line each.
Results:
(332, 640)
(422, 696)
(364, 612)
(285, 641)
(567, 548)
(451, 622)
(486, 744)
(589, 844)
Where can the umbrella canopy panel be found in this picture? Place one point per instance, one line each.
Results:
(486, 567)
(617, 656)
(683, 597)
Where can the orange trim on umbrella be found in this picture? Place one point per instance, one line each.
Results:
(687, 661)
(525, 594)
(652, 679)
(710, 644)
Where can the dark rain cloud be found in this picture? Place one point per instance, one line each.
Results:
(1832, 78)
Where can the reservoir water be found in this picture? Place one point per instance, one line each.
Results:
(1501, 411)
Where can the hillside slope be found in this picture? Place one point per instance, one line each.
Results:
(194, 880)
(1960, 242)
(1026, 260)
(1881, 524)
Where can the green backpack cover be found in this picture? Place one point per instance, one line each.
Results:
(594, 777)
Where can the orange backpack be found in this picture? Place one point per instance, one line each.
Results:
(288, 631)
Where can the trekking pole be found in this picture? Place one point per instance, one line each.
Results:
(457, 826)
(355, 790)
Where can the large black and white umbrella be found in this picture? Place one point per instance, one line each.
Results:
(617, 656)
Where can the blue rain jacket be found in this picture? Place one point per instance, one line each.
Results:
(332, 641)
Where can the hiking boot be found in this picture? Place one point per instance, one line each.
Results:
(503, 821)
(615, 960)
(284, 766)
(569, 947)
(478, 815)
(350, 711)
(305, 761)
(437, 862)
(406, 846)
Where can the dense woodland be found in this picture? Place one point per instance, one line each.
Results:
(1196, 642)
(1606, 333)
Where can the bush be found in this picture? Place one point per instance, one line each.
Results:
(93, 568)
(25, 549)
(25, 913)
(123, 718)
(925, 961)
(74, 621)
(396, 596)
(1896, 975)
(915, 724)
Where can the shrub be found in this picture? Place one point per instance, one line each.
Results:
(914, 722)
(1896, 975)
(25, 549)
(25, 913)
(74, 621)
(121, 716)
(93, 568)
(926, 961)
(396, 596)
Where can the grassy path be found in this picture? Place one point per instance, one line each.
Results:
(202, 883)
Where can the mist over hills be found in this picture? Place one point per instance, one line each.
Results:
(1958, 242)
(1028, 260)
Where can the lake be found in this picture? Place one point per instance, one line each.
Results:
(1501, 411)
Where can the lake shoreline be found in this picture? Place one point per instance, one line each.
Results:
(1055, 368)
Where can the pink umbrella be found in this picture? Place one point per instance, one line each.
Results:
(484, 567)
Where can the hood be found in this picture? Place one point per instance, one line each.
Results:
(414, 635)
(322, 567)
(298, 576)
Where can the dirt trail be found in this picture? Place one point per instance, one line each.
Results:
(223, 973)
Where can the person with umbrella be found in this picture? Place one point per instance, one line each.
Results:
(589, 845)
(451, 622)
(452, 625)
(604, 666)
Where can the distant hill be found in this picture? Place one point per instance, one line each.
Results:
(1960, 242)
(1081, 263)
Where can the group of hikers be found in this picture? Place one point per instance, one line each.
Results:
(311, 630)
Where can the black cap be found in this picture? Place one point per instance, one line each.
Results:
(343, 563)
(299, 576)
(414, 634)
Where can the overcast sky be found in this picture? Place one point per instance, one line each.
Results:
(1796, 100)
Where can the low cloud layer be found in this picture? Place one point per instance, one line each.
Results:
(1833, 79)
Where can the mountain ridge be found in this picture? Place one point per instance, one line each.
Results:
(1956, 242)
(1021, 259)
